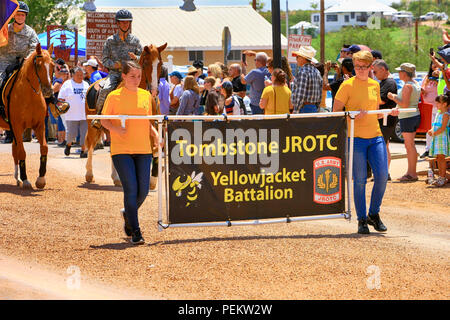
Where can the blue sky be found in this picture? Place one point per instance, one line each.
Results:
(293, 4)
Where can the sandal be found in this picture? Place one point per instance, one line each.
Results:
(408, 178)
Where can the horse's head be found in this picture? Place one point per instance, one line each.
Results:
(151, 63)
(43, 69)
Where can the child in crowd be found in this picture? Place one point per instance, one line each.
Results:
(231, 106)
(440, 145)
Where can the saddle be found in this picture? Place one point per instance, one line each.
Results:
(92, 94)
(9, 77)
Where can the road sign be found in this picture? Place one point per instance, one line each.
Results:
(99, 26)
(295, 42)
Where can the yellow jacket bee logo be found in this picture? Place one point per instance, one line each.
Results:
(188, 186)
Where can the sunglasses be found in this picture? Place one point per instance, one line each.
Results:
(362, 67)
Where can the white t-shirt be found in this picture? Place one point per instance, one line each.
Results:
(75, 94)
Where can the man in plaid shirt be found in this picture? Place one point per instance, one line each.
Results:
(307, 87)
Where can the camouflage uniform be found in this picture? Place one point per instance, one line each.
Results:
(20, 45)
(116, 50)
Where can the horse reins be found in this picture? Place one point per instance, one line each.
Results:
(37, 75)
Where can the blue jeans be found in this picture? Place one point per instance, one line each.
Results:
(374, 151)
(308, 108)
(256, 109)
(134, 173)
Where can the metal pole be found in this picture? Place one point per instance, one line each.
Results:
(350, 168)
(322, 31)
(417, 35)
(276, 33)
(160, 187)
(287, 19)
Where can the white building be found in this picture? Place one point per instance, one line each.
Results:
(306, 27)
(351, 13)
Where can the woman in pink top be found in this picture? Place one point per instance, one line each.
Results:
(429, 93)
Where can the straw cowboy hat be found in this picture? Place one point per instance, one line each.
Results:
(306, 52)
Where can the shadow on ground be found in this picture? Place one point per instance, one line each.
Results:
(94, 186)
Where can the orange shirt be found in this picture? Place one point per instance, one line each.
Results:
(361, 95)
(136, 140)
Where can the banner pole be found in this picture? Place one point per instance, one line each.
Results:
(166, 162)
(160, 188)
(350, 167)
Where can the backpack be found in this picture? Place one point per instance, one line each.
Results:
(240, 101)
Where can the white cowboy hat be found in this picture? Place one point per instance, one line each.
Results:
(91, 62)
(306, 52)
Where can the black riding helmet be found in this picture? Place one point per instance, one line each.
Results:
(23, 7)
(124, 15)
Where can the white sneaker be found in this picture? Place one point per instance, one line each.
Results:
(440, 182)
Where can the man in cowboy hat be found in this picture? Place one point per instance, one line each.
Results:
(307, 87)
(122, 46)
(63, 50)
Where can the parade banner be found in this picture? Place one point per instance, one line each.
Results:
(256, 169)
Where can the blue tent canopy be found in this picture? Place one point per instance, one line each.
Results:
(56, 34)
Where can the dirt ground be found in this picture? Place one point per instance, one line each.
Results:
(66, 242)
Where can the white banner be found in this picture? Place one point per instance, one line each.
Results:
(295, 41)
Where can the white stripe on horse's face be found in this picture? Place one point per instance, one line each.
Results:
(47, 66)
(155, 74)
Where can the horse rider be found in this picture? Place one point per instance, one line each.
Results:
(22, 41)
(122, 46)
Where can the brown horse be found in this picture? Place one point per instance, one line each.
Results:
(23, 97)
(151, 63)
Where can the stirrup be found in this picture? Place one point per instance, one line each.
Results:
(62, 106)
(96, 123)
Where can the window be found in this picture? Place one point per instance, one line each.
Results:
(234, 55)
(195, 55)
(347, 19)
(316, 18)
(332, 17)
(352, 14)
(362, 18)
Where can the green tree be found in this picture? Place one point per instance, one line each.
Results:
(259, 5)
(48, 12)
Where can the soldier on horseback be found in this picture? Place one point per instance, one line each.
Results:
(22, 41)
(122, 46)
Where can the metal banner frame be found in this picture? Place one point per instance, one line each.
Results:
(163, 137)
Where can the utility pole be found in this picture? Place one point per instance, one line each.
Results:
(276, 33)
(287, 19)
(322, 31)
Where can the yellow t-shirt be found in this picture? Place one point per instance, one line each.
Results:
(362, 95)
(283, 96)
(136, 140)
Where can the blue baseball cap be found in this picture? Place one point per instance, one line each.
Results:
(227, 85)
(354, 48)
(176, 74)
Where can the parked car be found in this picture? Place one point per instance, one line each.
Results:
(429, 16)
(402, 15)
(443, 16)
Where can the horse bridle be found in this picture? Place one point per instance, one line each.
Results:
(37, 75)
(149, 85)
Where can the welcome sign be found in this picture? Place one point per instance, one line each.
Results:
(256, 169)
